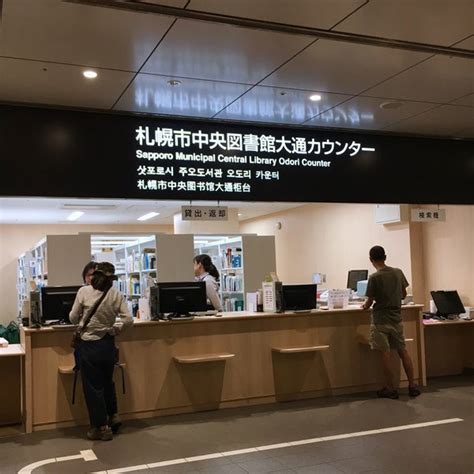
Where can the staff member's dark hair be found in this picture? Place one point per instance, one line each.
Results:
(207, 264)
(90, 266)
(103, 277)
(377, 254)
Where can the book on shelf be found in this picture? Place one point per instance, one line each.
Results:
(232, 282)
(231, 258)
(148, 259)
(232, 304)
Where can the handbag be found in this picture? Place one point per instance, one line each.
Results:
(76, 337)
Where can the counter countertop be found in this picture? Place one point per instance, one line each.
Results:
(233, 316)
(12, 350)
(435, 322)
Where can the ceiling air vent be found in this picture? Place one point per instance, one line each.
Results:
(89, 207)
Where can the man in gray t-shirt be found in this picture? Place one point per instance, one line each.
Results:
(387, 287)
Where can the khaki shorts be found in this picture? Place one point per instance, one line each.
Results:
(384, 337)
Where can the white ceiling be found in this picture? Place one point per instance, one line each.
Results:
(114, 211)
(236, 73)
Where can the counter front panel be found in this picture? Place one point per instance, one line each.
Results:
(236, 360)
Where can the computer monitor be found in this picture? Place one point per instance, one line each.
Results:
(57, 302)
(354, 276)
(178, 299)
(299, 297)
(447, 302)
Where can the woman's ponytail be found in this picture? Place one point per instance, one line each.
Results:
(207, 264)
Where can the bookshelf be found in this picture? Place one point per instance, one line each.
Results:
(39, 263)
(56, 260)
(134, 258)
(23, 277)
(243, 262)
(142, 260)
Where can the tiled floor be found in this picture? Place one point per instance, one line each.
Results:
(446, 449)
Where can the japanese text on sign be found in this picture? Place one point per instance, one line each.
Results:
(204, 213)
(168, 137)
(428, 215)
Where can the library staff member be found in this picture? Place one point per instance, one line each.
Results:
(206, 271)
(95, 309)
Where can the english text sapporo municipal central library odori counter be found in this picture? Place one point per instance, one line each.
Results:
(233, 159)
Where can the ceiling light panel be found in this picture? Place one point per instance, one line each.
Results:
(74, 215)
(214, 51)
(194, 98)
(365, 113)
(422, 21)
(28, 82)
(439, 79)
(340, 67)
(266, 104)
(70, 33)
(448, 119)
(148, 216)
(312, 13)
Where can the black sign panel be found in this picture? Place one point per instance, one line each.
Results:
(56, 153)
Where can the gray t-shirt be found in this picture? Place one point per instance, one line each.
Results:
(386, 287)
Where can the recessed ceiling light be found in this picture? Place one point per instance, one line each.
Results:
(239, 214)
(89, 74)
(150, 215)
(390, 105)
(315, 97)
(74, 215)
(174, 82)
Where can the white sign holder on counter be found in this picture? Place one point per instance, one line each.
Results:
(338, 299)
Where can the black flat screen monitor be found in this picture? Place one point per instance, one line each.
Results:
(299, 297)
(447, 302)
(181, 298)
(57, 302)
(354, 276)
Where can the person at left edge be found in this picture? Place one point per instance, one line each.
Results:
(97, 352)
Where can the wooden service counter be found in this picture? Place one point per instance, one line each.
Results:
(449, 347)
(215, 362)
(11, 383)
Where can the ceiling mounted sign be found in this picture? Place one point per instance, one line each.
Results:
(204, 213)
(59, 153)
(428, 215)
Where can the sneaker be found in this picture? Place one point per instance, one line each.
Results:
(102, 434)
(386, 393)
(414, 391)
(115, 423)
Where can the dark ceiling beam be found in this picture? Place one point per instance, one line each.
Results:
(144, 7)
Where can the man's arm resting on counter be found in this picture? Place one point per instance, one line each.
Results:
(368, 303)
